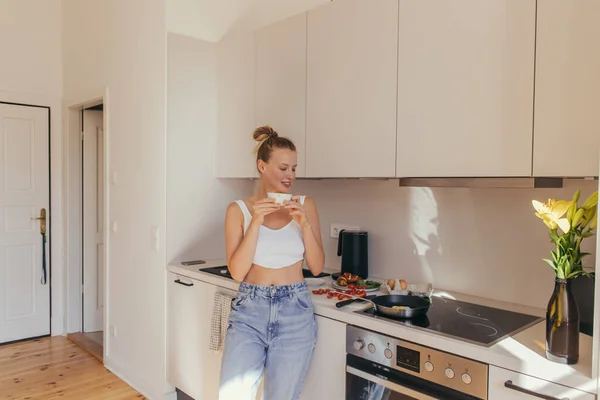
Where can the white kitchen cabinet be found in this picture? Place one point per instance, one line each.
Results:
(567, 89)
(191, 366)
(526, 387)
(351, 89)
(235, 90)
(281, 81)
(326, 377)
(465, 88)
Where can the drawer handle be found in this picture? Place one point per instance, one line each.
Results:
(183, 283)
(510, 385)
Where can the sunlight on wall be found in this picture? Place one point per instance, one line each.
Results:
(424, 228)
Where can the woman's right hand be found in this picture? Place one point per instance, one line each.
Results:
(263, 207)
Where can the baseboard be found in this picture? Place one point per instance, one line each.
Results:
(149, 389)
(87, 344)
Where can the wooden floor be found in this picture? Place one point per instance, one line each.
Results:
(55, 368)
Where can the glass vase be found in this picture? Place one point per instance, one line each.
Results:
(562, 325)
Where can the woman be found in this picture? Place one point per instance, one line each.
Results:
(272, 327)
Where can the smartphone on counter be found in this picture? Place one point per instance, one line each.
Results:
(194, 262)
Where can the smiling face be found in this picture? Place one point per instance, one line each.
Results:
(279, 172)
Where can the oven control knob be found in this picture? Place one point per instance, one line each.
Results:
(387, 353)
(466, 378)
(371, 347)
(449, 373)
(359, 344)
(428, 366)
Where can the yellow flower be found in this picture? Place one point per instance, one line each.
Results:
(551, 213)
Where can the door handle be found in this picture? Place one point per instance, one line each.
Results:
(42, 219)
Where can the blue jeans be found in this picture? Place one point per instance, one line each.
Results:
(271, 329)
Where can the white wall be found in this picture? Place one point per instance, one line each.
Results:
(121, 46)
(210, 20)
(485, 242)
(31, 73)
(196, 201)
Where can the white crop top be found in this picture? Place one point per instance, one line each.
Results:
(276, 248)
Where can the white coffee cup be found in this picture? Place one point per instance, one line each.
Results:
(279, 197)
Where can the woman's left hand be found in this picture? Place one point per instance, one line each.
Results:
(296, 210)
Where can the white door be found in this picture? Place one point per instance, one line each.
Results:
(93, 221)
(24, 192)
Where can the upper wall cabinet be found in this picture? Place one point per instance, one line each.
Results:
(351, 96)
(281, 81)
(465, 88)
(567, 93)
(235, 86)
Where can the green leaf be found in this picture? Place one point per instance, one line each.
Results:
(574, 274)
(550, 263)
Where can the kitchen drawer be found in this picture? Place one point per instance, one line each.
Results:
(505, 384)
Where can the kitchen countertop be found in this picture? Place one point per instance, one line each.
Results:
(523, 352)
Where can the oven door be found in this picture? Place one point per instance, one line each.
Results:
(367, 380)
(364, 386)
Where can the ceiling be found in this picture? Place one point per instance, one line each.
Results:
(211, 20)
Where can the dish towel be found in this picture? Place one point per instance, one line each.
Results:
(220, 320)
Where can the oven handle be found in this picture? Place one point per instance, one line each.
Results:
(389, 385)
(510, 385)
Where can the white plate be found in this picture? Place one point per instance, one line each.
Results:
(339, 287)
(315, 281)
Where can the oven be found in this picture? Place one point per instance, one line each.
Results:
(379, 367)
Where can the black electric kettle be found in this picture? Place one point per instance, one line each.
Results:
(354, 249)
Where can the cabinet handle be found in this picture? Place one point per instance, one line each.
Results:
(183, 283)
(510, 385)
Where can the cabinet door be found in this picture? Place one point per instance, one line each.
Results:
(523, 387)
(281, 81)
(567, 89)
(326, 377)
(235, 88)
(191, 366)
(465, 88)
(351, 99)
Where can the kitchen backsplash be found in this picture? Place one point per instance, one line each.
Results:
(485, 242)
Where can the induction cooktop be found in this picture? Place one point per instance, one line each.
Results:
(477, 324)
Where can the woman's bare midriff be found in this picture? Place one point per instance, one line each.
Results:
(275, 277)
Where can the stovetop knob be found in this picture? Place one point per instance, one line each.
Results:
(466, 378)
(358, 344)
(387, 353)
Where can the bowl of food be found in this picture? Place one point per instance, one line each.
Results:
(421, 289)
(279, 197)
(397, 286)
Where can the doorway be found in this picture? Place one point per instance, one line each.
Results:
(24, 222)
(93, 222)
(88, 216)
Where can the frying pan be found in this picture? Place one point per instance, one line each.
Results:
(384, 304)
(415, 305)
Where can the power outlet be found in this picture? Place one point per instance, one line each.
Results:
(113, 331)
(336, 228)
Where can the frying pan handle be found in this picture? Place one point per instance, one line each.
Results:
(343, 303)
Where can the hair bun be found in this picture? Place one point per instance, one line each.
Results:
(263, 133)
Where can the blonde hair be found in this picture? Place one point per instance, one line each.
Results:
(268, 140)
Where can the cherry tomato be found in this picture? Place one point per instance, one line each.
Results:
(341, 296)
(315, 291)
